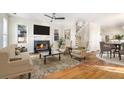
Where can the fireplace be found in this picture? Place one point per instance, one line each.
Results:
(41, 46)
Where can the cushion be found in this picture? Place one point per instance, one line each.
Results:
(76, 51)
(77, 55)
(17, 52)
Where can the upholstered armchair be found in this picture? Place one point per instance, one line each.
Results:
(13, 65)
(11, 68)
(63, 49)
(11, 50)
(79, 53)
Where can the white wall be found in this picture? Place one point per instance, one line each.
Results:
(94, 31)
(61, 26)
(14, 21)
(71, 25)
(94, 36)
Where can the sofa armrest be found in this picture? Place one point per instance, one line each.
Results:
(15, 59)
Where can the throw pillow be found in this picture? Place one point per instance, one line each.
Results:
(17, 52)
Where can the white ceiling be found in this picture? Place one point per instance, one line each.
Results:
(100, 18)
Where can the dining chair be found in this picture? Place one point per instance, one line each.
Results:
(105, 48)
(121, 52)
(117, 48)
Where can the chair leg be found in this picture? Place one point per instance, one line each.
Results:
(119, 56)
(101, 53)
(71, 56)
(107, 53)
(114, 54)
(29, 75)
(110, 54)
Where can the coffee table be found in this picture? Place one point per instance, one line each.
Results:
(46, 54)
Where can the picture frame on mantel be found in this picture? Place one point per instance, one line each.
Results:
(22, 33)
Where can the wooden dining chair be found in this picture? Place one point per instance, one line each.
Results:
(105, 48)
(121, 52)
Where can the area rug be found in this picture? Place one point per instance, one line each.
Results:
(53, 65)
(112, 60)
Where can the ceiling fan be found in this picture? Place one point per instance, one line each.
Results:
(53, 17)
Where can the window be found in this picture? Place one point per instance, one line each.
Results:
(3, 32)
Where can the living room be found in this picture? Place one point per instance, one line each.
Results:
(81, 51)
(77, 37)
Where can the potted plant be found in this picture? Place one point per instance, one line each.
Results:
(60, 42)
(119, 37)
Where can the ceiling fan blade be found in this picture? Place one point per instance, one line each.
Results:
(48, 16)
(60, 18)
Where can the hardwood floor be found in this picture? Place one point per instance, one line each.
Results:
(92, 68)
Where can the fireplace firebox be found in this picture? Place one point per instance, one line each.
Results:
(41, 46)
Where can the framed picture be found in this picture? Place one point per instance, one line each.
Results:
(67, 34)
(56, 34)
(22, 33)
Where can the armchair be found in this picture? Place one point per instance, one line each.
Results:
(13, 65)
(11, 50)
(79, 53)
(9, 69)
(63, 49)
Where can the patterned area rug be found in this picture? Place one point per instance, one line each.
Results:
(115, 60)
(53, 65)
